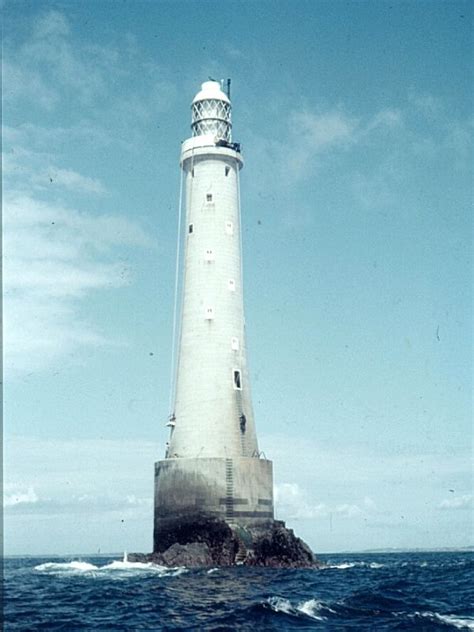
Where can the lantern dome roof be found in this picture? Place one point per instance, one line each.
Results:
(211, 90)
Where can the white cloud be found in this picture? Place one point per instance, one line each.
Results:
(369, 503)
(348, 511)
(70, 477)
(23, 82)
(51, 24)
(293, 503)
(51, 46)
(320, 131)
(74, 181)
(25, 169)
(54, 257)
(457, 502)
(396, 137)
(385, 118)
(312, 133)
(20, 497)
(52, 66)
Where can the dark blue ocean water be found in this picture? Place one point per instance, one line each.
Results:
(403, 591)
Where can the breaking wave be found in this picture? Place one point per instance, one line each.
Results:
(312, 608)
(346, 565)
(321, 611)
(123, 566)
(58, 567)
(460, 623)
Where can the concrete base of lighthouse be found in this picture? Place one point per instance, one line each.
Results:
(219, 512)
(238, 491)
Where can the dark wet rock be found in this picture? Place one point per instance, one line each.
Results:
(206, 542)
(278, 547)
(193, 554)
(214, 533)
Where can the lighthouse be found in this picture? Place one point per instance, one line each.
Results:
(212, 467)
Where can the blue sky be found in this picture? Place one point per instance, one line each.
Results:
(356, 126)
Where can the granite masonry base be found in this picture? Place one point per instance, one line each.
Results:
(209, 542)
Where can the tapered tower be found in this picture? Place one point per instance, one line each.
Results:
(212, 466)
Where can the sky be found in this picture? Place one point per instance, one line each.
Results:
(356, 124)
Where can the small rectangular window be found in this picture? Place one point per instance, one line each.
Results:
(208, 197)
(209, 314)
(191, 228)
(232, 285)
(227, 169)
(229, 228)
(234, 344)
(192, 173)
(237, 380)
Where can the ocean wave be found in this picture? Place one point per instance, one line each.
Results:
(346, 565)
(75, 566)
(116, 567)
(312, 608)
(460, 623)
(120, 565)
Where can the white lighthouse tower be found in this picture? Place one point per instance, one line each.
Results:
(212, 467)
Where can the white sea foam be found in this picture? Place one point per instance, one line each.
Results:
(74, 566)
(278, 604)
(311, 608)
(212, 570)
(117, 567)
(460, 623)
(346, 565)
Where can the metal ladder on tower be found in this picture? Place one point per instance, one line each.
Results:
(229, 485)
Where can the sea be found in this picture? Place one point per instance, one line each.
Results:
(396, 591)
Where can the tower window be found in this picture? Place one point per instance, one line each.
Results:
(191, 228)
(229, 228)
(208, 197)
(234, 344)
(237, 380)
(227, 169)
(232, 285)
(209, 314)
(192, 173)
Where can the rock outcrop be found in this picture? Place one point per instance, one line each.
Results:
(278, 547)
(206, 542)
